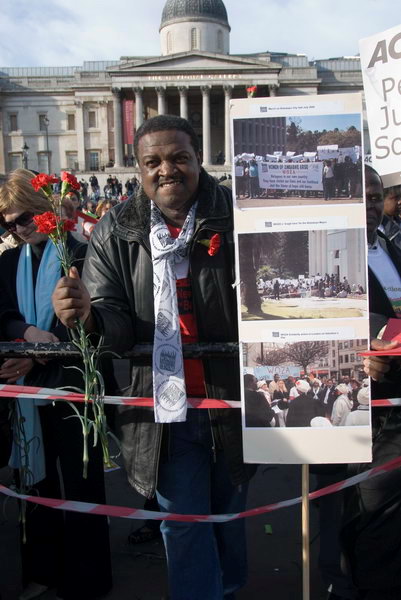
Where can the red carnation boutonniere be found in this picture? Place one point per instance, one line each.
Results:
(212, 245)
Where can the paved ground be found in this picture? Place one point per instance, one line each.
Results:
(275, 563)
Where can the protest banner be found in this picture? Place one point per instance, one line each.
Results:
(291, 176)
(329, 152)
(382, 84)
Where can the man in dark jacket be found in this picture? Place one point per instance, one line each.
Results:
(169, 251)
(372, 520)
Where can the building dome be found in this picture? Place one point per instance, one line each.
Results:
(182, 10)
(189, 25)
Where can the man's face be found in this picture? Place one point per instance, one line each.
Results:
(374, 204)
(170, 170)
(392, 202)
(276, 378)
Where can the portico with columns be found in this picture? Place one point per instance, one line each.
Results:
(193, 85)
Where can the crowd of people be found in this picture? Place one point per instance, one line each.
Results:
(160, 269)
(340, 179)
(321, 286)
(113, 189)
(308, 401)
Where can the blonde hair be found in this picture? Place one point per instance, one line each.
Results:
(17, 193)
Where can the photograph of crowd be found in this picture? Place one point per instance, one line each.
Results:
(304, 160)
(302, 275)
(305, 384)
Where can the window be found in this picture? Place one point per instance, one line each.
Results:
(43, 122)
(352, 358)
(72, 160)
(15, 161)
(341, 359)
(334, 363)
(346, 358)
(194, 38)
(13, 121)
(340, 346)
(43, 162)
(71, 122)
(336, 254)
(93, 161)
(351, 343)
(219, 41)
(345, 344)
(92, 118)
(333, 353)
(169, 42)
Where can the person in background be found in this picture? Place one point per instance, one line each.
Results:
(391, 222)
(68, 551)
(371, 527)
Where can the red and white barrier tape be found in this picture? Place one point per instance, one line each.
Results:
(21, 391)
(134, 513)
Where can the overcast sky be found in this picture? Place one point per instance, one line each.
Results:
(67, 32)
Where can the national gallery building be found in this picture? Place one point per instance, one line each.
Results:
(84, 118)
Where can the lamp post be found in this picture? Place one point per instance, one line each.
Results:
(25, 149)
(46, 123)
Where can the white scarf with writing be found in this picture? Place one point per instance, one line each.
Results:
(169, 392)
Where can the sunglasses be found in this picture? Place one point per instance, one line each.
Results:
(23, 220)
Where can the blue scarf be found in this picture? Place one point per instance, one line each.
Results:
(35, 305)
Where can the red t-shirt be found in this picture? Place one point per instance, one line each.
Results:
(193, 368)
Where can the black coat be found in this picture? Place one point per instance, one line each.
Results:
(302, 410)
(52, 374)
(119, 276)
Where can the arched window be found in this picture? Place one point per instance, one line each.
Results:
(220, 41)
(169, 42)
(194, 39)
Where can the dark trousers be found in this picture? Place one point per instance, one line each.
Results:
(371, 532)
(65, 549)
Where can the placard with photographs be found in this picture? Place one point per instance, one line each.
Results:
(302, 271)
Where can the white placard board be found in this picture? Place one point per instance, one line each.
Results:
(302, 263)
(381, 64)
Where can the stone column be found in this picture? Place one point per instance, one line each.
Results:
(79, 128)
(183, 102)
(273, 90)
(227, 138)
(138, 107)
(118, 138)
(206, 124)
(161, 100)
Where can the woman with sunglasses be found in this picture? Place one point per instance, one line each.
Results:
(68, 551)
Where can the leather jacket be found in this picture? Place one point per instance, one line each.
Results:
(119, 276)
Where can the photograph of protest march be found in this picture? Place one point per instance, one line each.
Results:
(319, 274)
(302, 160)
(305, 384)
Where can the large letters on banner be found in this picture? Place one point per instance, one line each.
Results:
(381, 63)
(291, 176)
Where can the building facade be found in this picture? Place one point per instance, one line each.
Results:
(83, 118)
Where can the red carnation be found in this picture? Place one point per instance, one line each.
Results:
(70, 179)
(214, 244)
(45, 223)
(42, 181)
